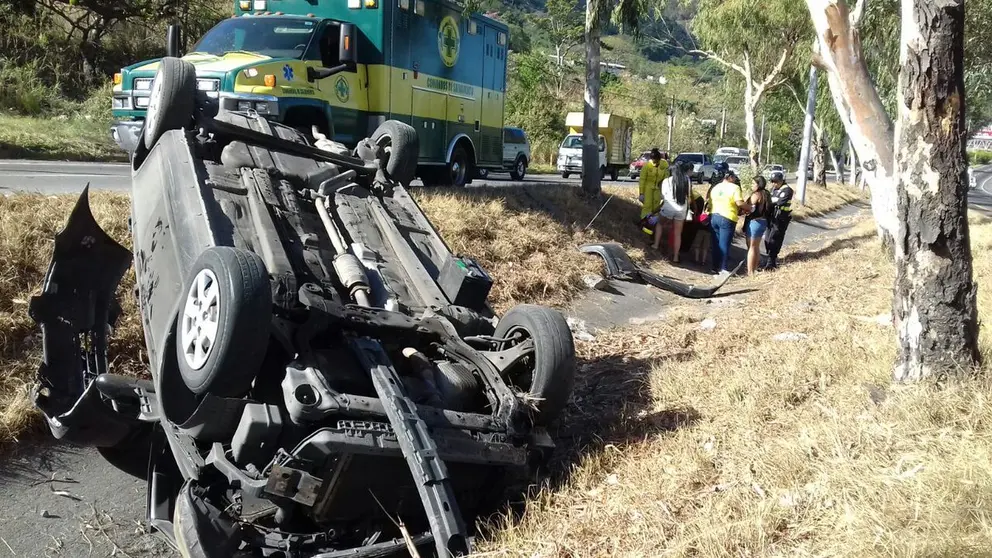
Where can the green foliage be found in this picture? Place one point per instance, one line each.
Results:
(746, 176)
(531, 104)
(757, 29)
(24, 92)
(980, 157)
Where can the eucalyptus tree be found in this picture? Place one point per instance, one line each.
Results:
(759, 39)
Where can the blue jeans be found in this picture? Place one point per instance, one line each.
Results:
(723, 235)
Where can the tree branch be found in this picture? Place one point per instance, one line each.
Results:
(716, 58)
(858, 13)
(774, 73)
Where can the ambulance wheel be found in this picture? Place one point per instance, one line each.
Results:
(172, 99)
(459, 168)
(614, 174)
(403, 146)
(565, 175)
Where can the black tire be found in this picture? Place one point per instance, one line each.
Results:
(614, 174)
(172, 99)
(519, 170)
(241, 317)
(565, 175)
(482, 173)
(550, 375)
(602, 172)
(459, 169)
(404, 149)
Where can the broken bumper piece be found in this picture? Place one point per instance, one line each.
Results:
(619, 266)
(76, 309)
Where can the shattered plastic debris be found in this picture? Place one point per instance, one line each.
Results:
(579, 331)
(790, 336)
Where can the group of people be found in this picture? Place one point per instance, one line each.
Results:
(706, 222)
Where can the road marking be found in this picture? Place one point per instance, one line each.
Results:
(984, 182)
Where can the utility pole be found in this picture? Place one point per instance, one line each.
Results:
(768, 151)
(671, 124)
(761, 141)
(807, 136)
(723, 125)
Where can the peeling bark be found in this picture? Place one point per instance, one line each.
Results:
(934, 301)
(840, 55)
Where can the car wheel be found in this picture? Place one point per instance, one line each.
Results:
(519, 169)
(401, 142)
(614, 174)
(547, 376)
(482, 173)
(458, 168)
(172, 99)
(602, 172)
(223, 324)
(565, 175)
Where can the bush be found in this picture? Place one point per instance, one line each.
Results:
(23, 92)
(980, 157)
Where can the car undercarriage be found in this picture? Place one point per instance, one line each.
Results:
(322, 367)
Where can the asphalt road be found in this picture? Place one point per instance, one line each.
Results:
(56, 177)
(59, 177)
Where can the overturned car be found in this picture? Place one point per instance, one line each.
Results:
(321, 364)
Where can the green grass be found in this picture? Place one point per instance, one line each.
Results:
(74, 138)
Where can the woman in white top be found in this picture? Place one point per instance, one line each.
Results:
(674, 207)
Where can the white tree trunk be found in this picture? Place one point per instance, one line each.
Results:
(750, 126)
(934, 302)
(839, 54)
(838, 160)
(591, 174)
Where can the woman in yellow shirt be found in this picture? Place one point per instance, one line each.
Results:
(653, 172)
(726, 203)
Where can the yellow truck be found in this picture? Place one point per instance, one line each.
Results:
(616, 135)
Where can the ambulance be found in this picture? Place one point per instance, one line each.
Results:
(346, 66)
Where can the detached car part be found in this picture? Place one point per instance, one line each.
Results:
(320, 361)
(619, 266)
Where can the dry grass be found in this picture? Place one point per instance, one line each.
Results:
(820, 201)
(525, 236)
(686, 442)
(27, 228)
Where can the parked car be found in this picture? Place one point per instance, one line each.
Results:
(516, 154)
(774, 171)
(702, 165)
(737, 162)
(635, 167)
(317, 354)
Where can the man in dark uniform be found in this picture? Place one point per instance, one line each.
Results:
(781, 217)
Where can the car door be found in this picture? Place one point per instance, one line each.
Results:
(509, 146)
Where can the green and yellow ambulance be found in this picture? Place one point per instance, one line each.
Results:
(424, 62)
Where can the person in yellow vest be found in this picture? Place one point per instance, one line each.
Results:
(652, 174)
